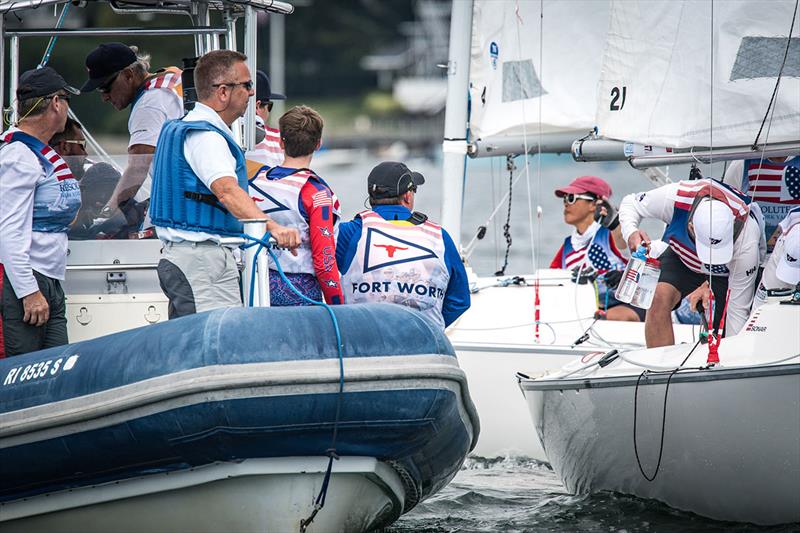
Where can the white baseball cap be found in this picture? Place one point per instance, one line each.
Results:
(789, 262)
(713, 232)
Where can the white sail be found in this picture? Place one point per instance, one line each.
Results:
(506, 77)
(656, 82)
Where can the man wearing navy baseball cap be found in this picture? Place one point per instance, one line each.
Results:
(267, 149)
(391, 253)
(40, 198)
(121, 75)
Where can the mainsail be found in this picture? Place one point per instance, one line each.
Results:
(507, 79)
(695, 73)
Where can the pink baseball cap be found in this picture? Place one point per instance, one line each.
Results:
(584, 184)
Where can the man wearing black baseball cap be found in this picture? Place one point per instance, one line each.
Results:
(267, 149)
(392, 254)
(121, 75)
(40, 198)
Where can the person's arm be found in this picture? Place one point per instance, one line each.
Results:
(347, 243)
(17, 187)
(210, 158)
(240, 205)
(657, 204)
(734, 175)
(318, 206)
(139, 158)
(456, 297)
(742, 280)
(556, 262)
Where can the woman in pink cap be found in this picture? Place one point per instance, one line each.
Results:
(592, 251)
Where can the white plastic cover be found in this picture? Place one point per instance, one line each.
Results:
(656, 82)
(506, 79)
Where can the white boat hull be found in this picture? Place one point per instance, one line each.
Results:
(256, 495)
(731, 433)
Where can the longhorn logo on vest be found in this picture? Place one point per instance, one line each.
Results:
(384, 250)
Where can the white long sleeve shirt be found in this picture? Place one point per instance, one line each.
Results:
(23, 250)
(747, 249)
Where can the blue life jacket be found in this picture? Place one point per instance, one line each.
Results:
(178, 198)
(57, 196)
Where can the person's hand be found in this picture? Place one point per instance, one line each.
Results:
(285, 237)
(587, 275)
(637, 238)
(606, 214)
(700, 294)
(612, 278)
(37, 311)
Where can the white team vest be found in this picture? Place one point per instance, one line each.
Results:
(399, 264)
(279, 198)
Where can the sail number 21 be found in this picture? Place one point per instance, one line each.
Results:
(616, 93)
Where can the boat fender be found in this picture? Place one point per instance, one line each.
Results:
(608, 358)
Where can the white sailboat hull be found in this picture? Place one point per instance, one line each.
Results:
(714, 463)
(731, 434)
(256, 495)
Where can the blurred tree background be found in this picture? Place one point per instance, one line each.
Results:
(325, 42)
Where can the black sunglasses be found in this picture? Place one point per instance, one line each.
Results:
(248, 85)
(106, 87)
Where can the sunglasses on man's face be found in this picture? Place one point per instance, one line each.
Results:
(79, 142)
(571, 198)
(248, 85)
(106, 87)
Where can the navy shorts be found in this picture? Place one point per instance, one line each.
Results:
(675, 273)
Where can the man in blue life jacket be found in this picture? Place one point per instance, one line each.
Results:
(200, 191)
(711, 233)
(39, 197)
(392, 254)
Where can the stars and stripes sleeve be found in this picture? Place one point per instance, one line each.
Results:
(318, 205)
(658, 204)
(556, 262)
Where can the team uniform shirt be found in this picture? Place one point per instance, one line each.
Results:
(268, 152)
(300, 199)
(385, 257)
(209, 156)
(595, 248)
(29, 194)
(769, 279)
(159, 99)
(671, 204)
(775, 186)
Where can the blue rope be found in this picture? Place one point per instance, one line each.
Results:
(54, 38)
(319, 503)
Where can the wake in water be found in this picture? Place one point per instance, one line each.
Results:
(516, 494)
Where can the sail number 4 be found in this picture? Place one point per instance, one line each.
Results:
(618, 98)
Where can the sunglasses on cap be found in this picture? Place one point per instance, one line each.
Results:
(571, 198)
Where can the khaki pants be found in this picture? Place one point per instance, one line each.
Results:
(198, 277)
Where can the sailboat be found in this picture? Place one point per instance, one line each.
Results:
(701, 80)
(523, 88)
(246, 419)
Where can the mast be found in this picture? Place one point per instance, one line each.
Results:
(454, 146)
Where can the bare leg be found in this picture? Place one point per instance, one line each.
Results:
(658, 321)
(622, 313)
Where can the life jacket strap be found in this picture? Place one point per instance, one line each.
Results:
(209, 199)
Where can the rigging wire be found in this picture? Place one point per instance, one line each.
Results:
(52, 43)
(507, 225)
